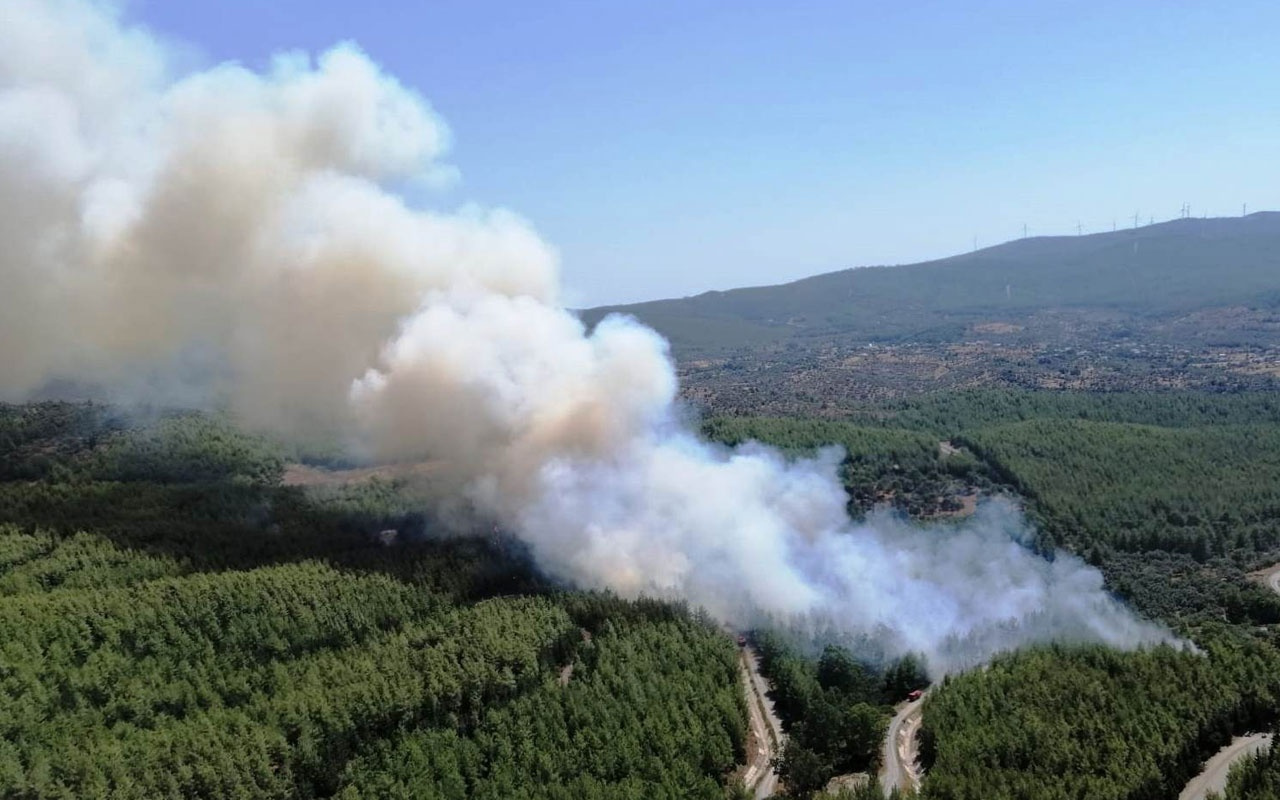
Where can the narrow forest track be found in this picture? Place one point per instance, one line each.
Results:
(898, 761)
(766, 738)
(1214, 776)
(1268, 577)
(1271, 577)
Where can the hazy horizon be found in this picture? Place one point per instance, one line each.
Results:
(676, 148)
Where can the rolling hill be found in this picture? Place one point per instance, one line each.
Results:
(1166, 270)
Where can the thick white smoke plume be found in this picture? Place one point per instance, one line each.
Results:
(235, 236)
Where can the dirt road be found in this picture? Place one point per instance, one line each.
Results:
(1214, 776)
(766, 729)
(898, 766)
(1270, 576)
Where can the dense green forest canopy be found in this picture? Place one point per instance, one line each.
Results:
(1090, 722)
(952, 413)
(1173, 496)
(1206, 491)
(176, 623)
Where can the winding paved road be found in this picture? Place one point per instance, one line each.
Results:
(766, 728)
(898, 767)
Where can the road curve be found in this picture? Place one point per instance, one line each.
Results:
(766, 728)
(898, 767)
(1214, 776)
(1268, 577)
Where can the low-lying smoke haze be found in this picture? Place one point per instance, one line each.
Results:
(235, 237)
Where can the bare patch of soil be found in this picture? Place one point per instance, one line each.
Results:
(304, 475)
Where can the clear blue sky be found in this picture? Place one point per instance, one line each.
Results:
(667, 148)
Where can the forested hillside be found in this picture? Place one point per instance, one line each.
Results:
(1172, 496)
(175, 623)
(1202, 491)
(1088, 722)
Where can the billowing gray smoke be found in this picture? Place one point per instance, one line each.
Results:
(232, 237)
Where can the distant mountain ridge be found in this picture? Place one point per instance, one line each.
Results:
(1162, 270)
